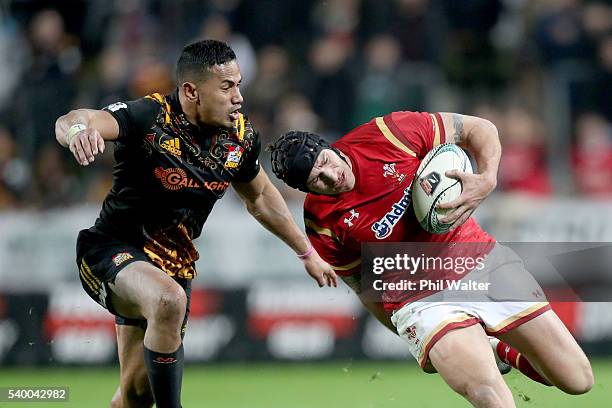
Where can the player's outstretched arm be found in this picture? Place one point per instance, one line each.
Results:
(266, 205)
(84, 131)
(479, 137)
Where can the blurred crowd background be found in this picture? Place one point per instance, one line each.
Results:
(541, 70)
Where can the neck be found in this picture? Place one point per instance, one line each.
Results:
(350, 164)
(348, 160)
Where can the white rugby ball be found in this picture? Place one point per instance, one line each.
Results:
(431, 187)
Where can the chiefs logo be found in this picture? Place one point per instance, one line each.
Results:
(233, 157)
(175, 178)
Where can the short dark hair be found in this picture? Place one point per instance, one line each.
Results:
(197, 58)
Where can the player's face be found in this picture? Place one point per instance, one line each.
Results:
(330, 175)
(219, 95)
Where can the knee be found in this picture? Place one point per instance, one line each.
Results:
(482, 392)
(580, 381)
(170, 305)
(116, 401)
(483, 395)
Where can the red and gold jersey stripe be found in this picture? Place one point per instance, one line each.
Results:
(320, 230)
(438, 127)
(396, 139)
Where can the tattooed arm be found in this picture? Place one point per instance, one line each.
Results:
(479, 137)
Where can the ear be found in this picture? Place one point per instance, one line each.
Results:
(190, 91)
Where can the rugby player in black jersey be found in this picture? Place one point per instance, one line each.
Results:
(175, 157)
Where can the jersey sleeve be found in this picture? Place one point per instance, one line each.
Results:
(250, 166)
(344, 259)
(134, 117)
(415, 132)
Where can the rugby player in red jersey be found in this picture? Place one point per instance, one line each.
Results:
(176, 155)
(359, 190)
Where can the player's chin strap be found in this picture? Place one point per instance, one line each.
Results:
(294, 155)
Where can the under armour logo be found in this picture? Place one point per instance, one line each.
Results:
(349, 221)
(506, 351)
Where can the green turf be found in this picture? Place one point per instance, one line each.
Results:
(337, 385)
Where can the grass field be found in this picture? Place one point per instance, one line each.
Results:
(337, 385)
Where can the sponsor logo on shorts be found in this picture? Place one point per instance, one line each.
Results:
(412, 334)
(121, 257)
(172, 145)
(389, 171)
(233, 157)
(430, 182)
(384, 227)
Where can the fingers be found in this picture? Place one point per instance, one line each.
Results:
(459, 175)
(332, 278)
(101, 145)
(456, 174)
(324, 275)
(463, 218)
(453, 216)
(77, 150)
(85, 145)
(93, 142)
(451, 204)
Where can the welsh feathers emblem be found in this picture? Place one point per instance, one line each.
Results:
(389, 171)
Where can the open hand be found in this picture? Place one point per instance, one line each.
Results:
(320, 270)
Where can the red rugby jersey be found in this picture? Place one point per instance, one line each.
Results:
(385, 154)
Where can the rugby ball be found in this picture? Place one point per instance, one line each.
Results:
(431, 187)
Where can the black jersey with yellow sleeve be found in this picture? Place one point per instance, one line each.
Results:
(169, 174)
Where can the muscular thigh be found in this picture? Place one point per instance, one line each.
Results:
(464, 355)
(547, 344)
(118, 275)
(138, 286)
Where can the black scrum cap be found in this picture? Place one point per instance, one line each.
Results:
(293, 156)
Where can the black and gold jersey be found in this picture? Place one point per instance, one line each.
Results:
(169, 174)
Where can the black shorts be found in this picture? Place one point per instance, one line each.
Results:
(100, 257)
